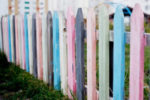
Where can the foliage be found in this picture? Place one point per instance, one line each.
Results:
(15, 84)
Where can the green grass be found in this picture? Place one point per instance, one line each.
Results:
(16, 84)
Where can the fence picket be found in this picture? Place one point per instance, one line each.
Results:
(50, 48)
(80, 70)
(137, 54)
(34, 45)
(119, 55)
(56, 54)
(91, 56)
(39, 46)
(45, 48)
(63, 53)
(30, 43)
(26, 42)
(103, 53)
(71, 53)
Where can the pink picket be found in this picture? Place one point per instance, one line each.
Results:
(91, 55)
(71, 53)
(137, 54)
(39, 46)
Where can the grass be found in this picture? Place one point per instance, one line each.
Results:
(16, 84)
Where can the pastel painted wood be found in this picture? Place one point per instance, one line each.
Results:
(80, 70)
(39, 46)
(103, 53)
(50, 48)
(16, 40)
(9, 40)
(56, 53)
(34, 45)
(119, 55)
(26, 42)
(45, 48)
(63, 53)
(1, 27)
(71, 53)
(14, 36)
(137, 54)
(91, 55)
(0, 35)
(22, 45)
(30, 44)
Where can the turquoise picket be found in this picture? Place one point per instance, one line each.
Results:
(26, 42)
(9, 39)
(56, 54)
(119, 55)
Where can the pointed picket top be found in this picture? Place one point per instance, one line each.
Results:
(71, 53)
(91, 55)
(137, 54)
(80, 74)
(103, 53)
(50, 48)
(56, 54)
(119, 55)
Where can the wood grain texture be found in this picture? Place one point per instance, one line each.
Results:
(45, 48)
(103, 53)
(137, 54)
(119, 55)
(39, 46)
(34, 45)
(80, 70)
(50, 48)
(26, 42)
(71, 53)
(91, 55)
(56, 53)
(30, 43)
(63, 53)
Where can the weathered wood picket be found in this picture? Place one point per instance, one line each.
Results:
(52, 49)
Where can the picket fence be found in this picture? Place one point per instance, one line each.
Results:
(40, 45)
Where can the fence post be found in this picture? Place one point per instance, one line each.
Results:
(71, 53)
(91, 55)
(50, 48)
(119, 55)
(103, 53)
(137, 54)
(80, 70)
(56, 54)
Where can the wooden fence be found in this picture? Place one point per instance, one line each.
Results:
(52, 49)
